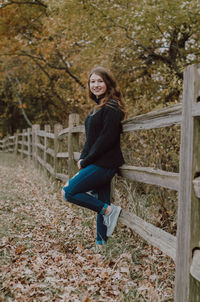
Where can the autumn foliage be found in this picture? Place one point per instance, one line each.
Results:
(47, 49)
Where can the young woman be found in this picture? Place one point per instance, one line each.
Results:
(101, 155)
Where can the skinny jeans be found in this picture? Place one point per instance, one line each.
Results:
(90, 188)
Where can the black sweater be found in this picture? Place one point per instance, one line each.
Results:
(102, 146)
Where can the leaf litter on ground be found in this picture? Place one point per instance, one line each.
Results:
(46, 248)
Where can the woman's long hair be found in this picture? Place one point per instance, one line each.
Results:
(112, 91)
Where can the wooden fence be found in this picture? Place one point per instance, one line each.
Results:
(49, 150)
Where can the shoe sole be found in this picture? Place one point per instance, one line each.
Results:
(108, 234)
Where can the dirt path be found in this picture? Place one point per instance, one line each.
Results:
(46, 248)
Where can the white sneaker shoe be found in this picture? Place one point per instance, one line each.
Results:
(110, 219)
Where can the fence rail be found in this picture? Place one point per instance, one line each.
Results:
(48, 148)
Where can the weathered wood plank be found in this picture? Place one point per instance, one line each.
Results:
(155, 119)
(188, 233)
(35, 140)
(50, 135)
(62, 155)
(78, 129)
(45, 165)
(49, 168)
(50, 152)
(62, 177)
(196, 186)
(196, 109)
(73, 143)
(25, 152)
(153, 235)
(24, 143)
(24, 134)
(40, 160)
(47, 129)
(63, 133)
(40, 146)
(77, 156)
(57, 163)
(195, 266)
(29, 131)
(151, 176)
(41, 133)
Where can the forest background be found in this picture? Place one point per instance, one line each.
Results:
(48, 48)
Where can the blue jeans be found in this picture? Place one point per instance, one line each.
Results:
(96, 179)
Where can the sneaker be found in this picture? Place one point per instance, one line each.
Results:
(110, 219)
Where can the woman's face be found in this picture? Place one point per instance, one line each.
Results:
(97, 85)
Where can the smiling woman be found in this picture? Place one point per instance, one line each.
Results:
(101, 156)
(97, 85)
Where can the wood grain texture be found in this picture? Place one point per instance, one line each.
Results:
(62, 177)
(195, 266)
(155, 119)
(188, 233)
(153, 235)
(151, 176)
(73, 143)
(62, 155)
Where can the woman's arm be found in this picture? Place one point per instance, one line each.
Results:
(84, 151)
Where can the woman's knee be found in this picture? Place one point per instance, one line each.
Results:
(63, 192)
(66, 192)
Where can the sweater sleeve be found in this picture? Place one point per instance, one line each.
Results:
(84, 151)
(108, 136)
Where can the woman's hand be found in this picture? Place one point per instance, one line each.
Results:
(79, 164)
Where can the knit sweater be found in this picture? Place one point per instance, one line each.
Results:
(102, 145)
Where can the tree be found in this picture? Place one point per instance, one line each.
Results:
(51, 46)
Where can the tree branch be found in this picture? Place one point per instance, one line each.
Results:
(65, 67)
(69, 72)
(11, 2)
(19, 99)
(165, 59)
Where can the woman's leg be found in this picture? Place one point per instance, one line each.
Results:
(103, 194)
(90, 178)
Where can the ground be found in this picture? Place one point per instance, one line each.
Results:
(46, 248)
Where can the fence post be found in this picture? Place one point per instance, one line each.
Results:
(35, 128)
(23, 141)
(16, 142)
(188, 233)
(29, 143)
(7, 147)
(47, 128)
(57, 129)
(73, 143)
(4, 144)
(9, 144)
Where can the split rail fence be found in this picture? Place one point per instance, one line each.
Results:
(48, 149)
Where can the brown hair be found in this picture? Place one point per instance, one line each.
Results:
(112, 91)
